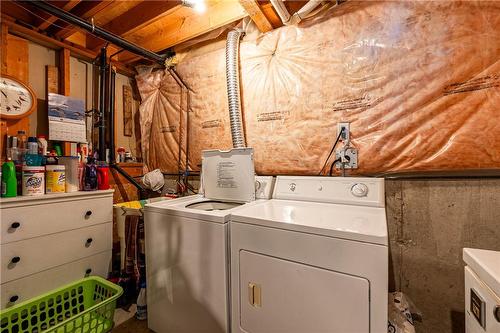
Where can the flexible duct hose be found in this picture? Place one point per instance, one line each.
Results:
(233, 87)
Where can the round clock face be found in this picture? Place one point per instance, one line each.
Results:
(16, 100)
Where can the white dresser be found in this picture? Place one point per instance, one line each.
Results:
(48, 241)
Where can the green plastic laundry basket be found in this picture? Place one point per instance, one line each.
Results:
(84, 306)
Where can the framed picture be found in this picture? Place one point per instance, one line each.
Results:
(127, 110)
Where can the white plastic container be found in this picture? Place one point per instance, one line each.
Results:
(55, 181)
(33, 180)
(71, 164)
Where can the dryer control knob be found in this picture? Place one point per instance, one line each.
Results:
(359, 190)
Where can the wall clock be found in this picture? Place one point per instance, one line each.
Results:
(17, 99)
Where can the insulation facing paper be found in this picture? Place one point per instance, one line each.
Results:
(419, 82)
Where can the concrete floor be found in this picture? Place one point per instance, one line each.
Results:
(430, 221)
(132, 326)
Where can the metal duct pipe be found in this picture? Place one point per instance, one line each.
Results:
(233, 87)
(305, 10)
(280, 8)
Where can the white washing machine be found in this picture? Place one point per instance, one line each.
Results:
(312, 259)
(187, 246)
(482, 291)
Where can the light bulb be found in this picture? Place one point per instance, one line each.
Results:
(199, 6)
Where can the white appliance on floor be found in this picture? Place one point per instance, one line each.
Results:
(482, 291)
(187, 252)
(312, 259)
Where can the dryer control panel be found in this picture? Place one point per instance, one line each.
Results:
(342, 190)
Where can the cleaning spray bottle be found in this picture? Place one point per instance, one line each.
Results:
(9, 180)
(142, 305)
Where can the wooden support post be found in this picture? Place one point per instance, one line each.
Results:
(64, 72)
(52, 79)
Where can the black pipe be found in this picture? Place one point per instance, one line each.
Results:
(102, 106)
(112, 80)
(97, 31)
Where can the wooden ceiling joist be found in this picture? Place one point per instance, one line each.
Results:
(47, 41)
(253, 9)
(136, 18)
(182, 25)
(49, 20)
(86, 10)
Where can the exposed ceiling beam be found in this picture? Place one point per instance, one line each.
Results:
(42, 39)
(135, 18)
(49, 20)
(18, 12)
(257, 15)
(86, 10)
(184, 24)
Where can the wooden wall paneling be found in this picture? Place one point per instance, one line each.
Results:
(16, 57)
(4, 40)
(64, 72)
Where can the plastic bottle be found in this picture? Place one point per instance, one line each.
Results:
(103, 177)
(9, 180)
(22, 139)
(32, 148)
(42, 145)
(142, 305)
(90, 175)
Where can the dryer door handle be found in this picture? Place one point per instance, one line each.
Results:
(255, 295)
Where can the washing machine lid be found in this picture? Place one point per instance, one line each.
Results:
(359, 223)
(196, 207)
(486, 264)
(228, 175)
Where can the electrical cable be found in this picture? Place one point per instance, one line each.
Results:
(331, 151)
(333, 164)
(42, 18)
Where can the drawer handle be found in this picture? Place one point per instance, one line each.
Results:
(14, 298)
(15, 225)
(88, 271)
(15, 260)
(88, 242)
(88, 213)
(496, 312)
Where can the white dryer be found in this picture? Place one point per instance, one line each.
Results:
(482, 291)
(187, 252)
(312, 259)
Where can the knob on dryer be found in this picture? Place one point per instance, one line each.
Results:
(359, 190)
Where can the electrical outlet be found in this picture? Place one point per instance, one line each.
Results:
(346, 133)
(348, 156)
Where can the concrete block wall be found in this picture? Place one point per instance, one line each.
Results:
(430, 221)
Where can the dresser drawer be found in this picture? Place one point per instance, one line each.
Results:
(33, 255)
(22, 289)
(24, 222)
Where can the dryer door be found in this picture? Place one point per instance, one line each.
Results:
(278, 295)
